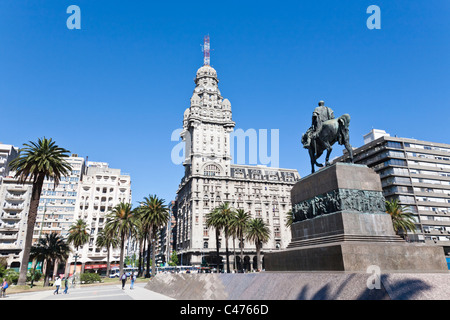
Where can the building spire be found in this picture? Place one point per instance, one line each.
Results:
(206, 49)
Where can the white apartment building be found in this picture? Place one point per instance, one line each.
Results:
(101, 188)
(7, 154)
(15, 200)
(56, 211)
(89, 191)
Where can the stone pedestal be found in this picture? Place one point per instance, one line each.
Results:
(340, 224)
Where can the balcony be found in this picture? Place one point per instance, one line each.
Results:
(97, 254)
(16, 197)
(11, 207)
(10, 227)
(11, 216)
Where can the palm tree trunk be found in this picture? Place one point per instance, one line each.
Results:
(149, 243)
(122, 251)
(217, 249)
(108, 261)
(226, 250)
(242, 250)
(141, 249)
(234, 253)
(154, 233)
(258, 256)
(153, 259)
(55, 268)
(32, 213)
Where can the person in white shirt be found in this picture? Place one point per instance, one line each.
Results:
(57, 285)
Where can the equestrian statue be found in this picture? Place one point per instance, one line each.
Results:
(324, 132)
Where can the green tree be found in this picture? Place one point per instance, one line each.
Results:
(289, 219)
(78, 236)
(240, 224)
(402, 218)
(108, 241)
(259, 233)
(121, 222)
(51, 248)
(227, 215)
(221, 218)
(213, 220)
(173, 259)
(37, 161)
(153, 214)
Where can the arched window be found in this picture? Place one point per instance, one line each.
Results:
(211, 170)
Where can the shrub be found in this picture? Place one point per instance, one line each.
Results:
(11, 276)
(37, 275)
(90, 277)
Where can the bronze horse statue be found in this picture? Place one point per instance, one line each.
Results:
(332, 131)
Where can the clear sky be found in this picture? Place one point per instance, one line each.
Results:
(116, 89)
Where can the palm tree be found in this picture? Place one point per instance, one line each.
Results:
(221, 218)
(402, 219)
(78, 236)
(51, 248)
(240, 224)
(37, 161)
(227, 215)
(153, 214)
(213, 220)
(120, 222)
(141, 236)
(108, 241)
(289, 219)
(259, 233)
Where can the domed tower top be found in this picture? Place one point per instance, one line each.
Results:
(206, 71)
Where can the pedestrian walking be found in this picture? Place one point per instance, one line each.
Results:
(124, 279)
(57, 284)
(132, 278)
(5, 286)
(66, 285)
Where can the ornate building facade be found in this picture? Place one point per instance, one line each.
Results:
(211, 179)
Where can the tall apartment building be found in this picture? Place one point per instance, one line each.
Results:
(167, 236)
(7, 154)
(15, 200)
(211, 179)
(56, 211)
(88, 192)
(417, 173)
(99, 190)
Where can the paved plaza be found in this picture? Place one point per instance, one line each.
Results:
(100, 292)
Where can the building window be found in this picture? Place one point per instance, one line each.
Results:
(211, 170)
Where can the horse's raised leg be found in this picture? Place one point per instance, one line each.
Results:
(328, 146)
(350, 151)
(313, 160)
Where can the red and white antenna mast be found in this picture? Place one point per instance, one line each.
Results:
(206, 49)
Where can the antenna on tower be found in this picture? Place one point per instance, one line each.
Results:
(206, 49)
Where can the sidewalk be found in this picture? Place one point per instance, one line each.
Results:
(93, 292)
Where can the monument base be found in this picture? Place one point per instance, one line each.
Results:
(340, 225)
(358, 257)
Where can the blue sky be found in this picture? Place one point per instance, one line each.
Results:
(116, 89)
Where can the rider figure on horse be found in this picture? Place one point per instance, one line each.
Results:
(320, 115)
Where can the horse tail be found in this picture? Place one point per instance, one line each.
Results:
(344, 122)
